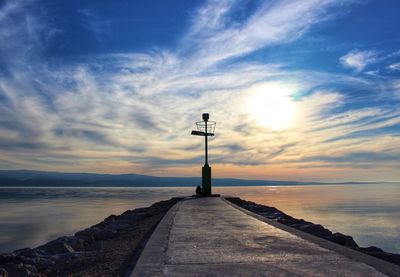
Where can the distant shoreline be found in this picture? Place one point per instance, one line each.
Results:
(192, 186)
(29, 178)
(187, 186)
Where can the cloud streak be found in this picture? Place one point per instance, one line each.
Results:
(358, 60)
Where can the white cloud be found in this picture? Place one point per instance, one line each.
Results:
(393, 67)
(134, 108)
(275, 22)
(358, 60)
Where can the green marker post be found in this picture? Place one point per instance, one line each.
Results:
(205, 128)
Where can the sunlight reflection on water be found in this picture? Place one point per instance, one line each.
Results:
(31, 216)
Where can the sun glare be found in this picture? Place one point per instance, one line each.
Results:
(272, 107)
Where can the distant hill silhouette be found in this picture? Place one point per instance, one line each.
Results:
(44, 179)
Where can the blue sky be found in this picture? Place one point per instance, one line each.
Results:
(300, 90)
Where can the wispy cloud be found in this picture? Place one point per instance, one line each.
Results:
(217, 36)
(125, 112)
(93, 23)
(358, 60)
(393, 67)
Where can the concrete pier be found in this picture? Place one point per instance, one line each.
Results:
(210, 237)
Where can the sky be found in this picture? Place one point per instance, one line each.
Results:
(305, 90)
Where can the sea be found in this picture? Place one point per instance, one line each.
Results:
(31, 216)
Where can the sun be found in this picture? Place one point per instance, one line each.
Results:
(272, 107)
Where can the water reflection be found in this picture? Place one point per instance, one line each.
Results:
(31, 216)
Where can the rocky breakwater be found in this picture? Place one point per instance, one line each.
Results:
(314, 229)
(105, 249)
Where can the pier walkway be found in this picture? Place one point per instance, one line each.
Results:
(211, 237)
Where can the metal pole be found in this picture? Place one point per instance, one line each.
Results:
(206, 145)
(206, 170)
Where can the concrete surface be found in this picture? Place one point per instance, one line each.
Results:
(209, 237)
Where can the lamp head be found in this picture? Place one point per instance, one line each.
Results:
(206, 116)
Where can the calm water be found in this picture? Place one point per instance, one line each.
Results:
(31, 216)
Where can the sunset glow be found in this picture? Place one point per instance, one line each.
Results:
(272, 107)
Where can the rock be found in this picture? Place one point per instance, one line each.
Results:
(3, 272)
(16, 270)
(63, 245)
(140, 210)
(153, 210)
(265, 209)
(342, 240)
(106, 233)
(277, 215)
(44, 262)
(31, 260)
(111, 218)
(87, 235)
(92, 234)
(316, 230)
(22, 256)
(118, 225)
(96, 246)
(131, 218)
(26, 252)
(62, 258)
(30, 270)
(372, 249)
(290, 221)
(379, 253)
(10, 258)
